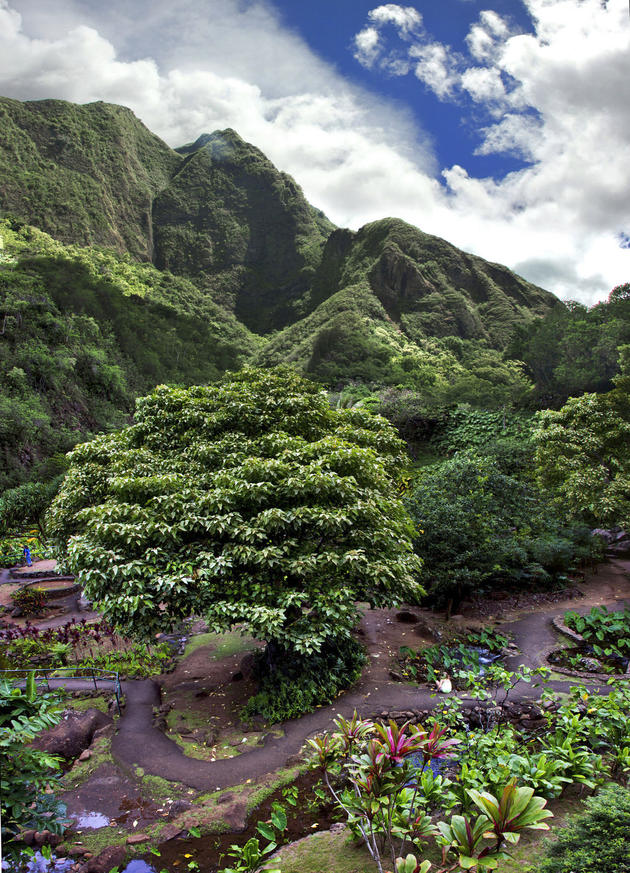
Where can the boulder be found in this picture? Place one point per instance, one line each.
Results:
(406, 617)
(619, 549)
(247, 665)
(137, 839)
(72, 735)
(47, 838)
(112, 856)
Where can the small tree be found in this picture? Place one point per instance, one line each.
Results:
(246, 501)
(27, 504)
(583, 453)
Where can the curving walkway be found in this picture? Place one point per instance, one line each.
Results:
(139, 744)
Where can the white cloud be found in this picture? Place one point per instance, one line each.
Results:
(407, 19)
(370, 46)
(437, 67)
(558, 96)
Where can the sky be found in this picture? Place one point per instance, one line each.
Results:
(501, 125)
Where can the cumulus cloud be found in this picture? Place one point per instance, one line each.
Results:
(558, 97)
(369, 44)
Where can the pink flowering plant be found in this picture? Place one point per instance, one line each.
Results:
(369, 772)
(381, 778)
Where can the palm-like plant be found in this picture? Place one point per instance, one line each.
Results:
(517, 809)
(397, 744)
(433, 746)
(467, 839)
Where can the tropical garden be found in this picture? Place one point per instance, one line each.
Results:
(259, 504)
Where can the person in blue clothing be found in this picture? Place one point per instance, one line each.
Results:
(27, 556)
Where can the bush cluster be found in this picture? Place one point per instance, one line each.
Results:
(299, 683)
(595, 840)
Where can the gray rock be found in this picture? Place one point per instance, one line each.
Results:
(406, 617)
(137, 839)
(112, 856)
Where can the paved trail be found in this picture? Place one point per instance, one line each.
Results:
(139, 743)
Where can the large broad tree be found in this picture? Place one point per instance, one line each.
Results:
(249, 501)
(583, 452)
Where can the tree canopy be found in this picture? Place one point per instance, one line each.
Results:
(583, 452)
(251, 501)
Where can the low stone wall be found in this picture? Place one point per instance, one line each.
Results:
(560, 626)
(56, 593)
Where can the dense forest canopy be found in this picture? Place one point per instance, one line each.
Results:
(204, 259)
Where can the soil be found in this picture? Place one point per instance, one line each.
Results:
(210, 851)
(198, 704)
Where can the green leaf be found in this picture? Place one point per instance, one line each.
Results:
(266, 830)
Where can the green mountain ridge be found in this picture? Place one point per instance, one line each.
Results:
(190, 261)
(220, 213)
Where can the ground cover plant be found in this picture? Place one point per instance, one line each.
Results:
(83, 645)
(606, 647)
(368, 771)
(596, 839)
(463, 654)
(26, 775)
(479, 528)
(393, 781)
(252, 502)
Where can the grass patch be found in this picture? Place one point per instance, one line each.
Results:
(325, 851)
(96, 840)
(281, 778)
(82, 704)
(224, 645)
(159, 788)
(82, 770)
(225, 748)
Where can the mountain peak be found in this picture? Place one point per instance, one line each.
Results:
(220, 142)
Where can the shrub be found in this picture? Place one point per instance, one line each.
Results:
(596, 840)
(30, 599)
(480, 527)
(298, 683)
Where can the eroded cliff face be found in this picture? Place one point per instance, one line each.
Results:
(84, 174)
(232, 221)
(427, 286)
(218, 212)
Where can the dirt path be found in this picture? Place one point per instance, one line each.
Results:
(139, 743)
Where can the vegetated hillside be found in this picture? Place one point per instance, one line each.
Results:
(84, 174)
(238, 226)
(83, 332)
(219, 212)
(201, 246)
(427, 286)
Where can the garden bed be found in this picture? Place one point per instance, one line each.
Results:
(602, 644)
(305, 804)
(52, 589)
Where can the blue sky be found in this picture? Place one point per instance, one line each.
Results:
(500, 125)
(329, 27)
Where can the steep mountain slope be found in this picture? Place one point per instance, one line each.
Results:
(236, 225)
(427, 286)
(201, 246)
(84, 174)
(83, 332)
(219, 212)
